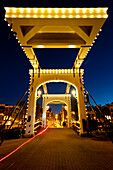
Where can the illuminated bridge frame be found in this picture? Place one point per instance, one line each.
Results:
(56, 28)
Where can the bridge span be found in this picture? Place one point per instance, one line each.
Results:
(60, 149)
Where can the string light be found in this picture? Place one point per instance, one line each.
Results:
(42, 16)
(63, 10)
(56, 10)
(70, 10)
(99, 16)
(32, 11)
(14, 10)
(28, 16)
(63, 16)
(20, 16)
(91, 10)
(21, 10)
(71, 46)
(34, 16)
(13, 16)
(98, 10)
(35, 10)
(49, 10)
(105, 16)
(28, 10)
(92, 16)
(42, 10)
(85, 16)
(49, 16)
(70, 16)
(7, 9)
(56, 16)
(77, 16)
(84, 10)
(77, 10)
(6, 16)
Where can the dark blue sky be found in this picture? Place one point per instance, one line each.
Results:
(14, 65)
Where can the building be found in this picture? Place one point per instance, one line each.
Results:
(49, 116)
(6, 110)
(106, 110)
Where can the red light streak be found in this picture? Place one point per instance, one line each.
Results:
(44, 130)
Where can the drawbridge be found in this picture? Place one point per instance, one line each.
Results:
(55, 28)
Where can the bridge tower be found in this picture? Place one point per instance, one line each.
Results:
(56, 28)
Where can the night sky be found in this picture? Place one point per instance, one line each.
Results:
(98, 65)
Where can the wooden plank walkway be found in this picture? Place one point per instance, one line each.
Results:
(61, 149)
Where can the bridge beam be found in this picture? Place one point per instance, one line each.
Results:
(67, 88)
(45, 88)
(81, 103)
(70, 27)
(31, 110)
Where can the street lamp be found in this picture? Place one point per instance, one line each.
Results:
(73, 92)
(47, 107)
(38, 94)
(56, 116)
(65, 107)
(37, 97)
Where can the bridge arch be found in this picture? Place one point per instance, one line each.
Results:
(65, 98)
(62, 114)
(57, 81)
(53, 102)
(44, 77)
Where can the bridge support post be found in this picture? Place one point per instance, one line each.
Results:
(44, 113)
(31, 113)
(81, 107)
(69, 112)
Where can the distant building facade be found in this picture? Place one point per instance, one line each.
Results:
(106, 110)
(6, 110)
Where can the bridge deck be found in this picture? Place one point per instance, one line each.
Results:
(61, 149)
